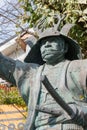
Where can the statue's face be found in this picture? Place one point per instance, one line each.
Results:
(52, 48)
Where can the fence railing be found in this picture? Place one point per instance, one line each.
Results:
(12, 117)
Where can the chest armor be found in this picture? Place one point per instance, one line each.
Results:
(54, 75)
(57, 77)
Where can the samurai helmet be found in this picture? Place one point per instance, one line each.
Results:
(74, 51)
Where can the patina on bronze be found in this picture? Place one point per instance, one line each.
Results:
(59, 58)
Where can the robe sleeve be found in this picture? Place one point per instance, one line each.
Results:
(77, 85)
(77, 79)
(18, 73)
(24, 75)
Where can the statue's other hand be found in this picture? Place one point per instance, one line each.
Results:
(81, 117)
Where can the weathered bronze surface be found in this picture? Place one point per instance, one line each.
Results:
(59, 58)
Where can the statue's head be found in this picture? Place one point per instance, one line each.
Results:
(53, 49)
(52, 44)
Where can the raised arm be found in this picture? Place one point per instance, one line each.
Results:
(7, 67)
(18, 73)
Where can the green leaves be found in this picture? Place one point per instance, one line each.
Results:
(11, 97)
(71, 9)
(74, 12)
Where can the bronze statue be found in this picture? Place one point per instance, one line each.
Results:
(58, 57)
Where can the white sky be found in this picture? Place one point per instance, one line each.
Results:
(1, 3)
(3, 37)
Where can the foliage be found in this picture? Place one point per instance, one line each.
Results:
(11, 97)
(74, 12)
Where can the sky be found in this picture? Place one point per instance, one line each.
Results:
(9, 27)
(1, 3)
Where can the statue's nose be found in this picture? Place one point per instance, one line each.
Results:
(47, 44)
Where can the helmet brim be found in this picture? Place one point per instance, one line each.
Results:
(73, 53)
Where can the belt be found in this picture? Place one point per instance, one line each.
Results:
(48, 110)
(66, 127)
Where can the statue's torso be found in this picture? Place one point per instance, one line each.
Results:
(54, 75)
